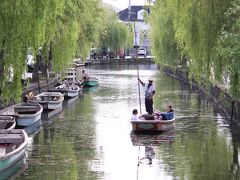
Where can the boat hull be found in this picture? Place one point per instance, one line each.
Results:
(152, 125)
(50, 105)
(90, 83)
(28, 121)
(5, 164)
(67, 91)
(71, 94)
(9, 159)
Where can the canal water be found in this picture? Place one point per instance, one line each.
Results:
(91, 138)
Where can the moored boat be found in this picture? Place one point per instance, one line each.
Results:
(7, 122)
(12, 147)
(28, 113)
(67, 90)
(154, 125)
(90, 82)
(49, 100)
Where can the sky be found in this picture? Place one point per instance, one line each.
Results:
(122, 4)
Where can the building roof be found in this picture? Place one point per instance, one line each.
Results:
(126, 15)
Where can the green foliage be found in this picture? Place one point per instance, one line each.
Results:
(65, 27)
(115, 34)
(228, 47)
(163, 34)
(203, 33)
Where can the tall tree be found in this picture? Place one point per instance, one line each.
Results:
(63, 28)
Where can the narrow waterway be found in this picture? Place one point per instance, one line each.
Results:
(90, 138)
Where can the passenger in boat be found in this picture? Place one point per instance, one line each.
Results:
(25, 98)
(29, 96)
(85, 75)
(134, 115)
(169, 114)
(149, 92)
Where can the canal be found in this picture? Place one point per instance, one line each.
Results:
(90, 138)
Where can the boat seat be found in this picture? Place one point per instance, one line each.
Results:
(11, 138)
(26, 110)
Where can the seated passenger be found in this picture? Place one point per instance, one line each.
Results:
(134, 115)
(169, 114)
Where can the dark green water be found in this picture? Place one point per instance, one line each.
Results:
(91, 137)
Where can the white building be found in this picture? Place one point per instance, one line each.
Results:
(135, 15)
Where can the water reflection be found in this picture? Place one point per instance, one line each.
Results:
(48, 115)
(34, 128)
(70, 101)
(152, 139)
(149, 154)
(89, 89)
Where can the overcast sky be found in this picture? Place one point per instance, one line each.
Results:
(122, 4)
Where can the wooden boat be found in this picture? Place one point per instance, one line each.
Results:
(15, 170)
(155, 125)
(90, 82)
(49, 100)
(7, 122)
(67, 90)
(12, 147)
(28, 113)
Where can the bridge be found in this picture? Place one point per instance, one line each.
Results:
(127, 60)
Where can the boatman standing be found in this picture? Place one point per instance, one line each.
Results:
(149, 92)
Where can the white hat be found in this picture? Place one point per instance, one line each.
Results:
(150, 79)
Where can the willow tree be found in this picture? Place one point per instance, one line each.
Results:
(115, 34)
(91, 18)
(191, 27)
(162, 34)
(61, 27)
(18, 31)
(228, 48)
